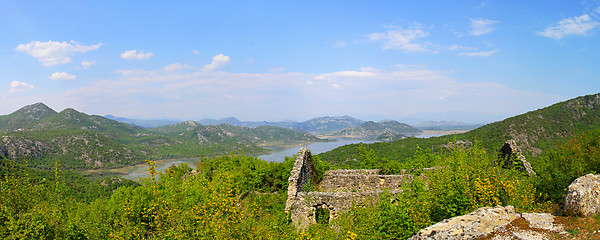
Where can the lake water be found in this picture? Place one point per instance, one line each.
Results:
(315, 148)
(141, 171)
(321, 147)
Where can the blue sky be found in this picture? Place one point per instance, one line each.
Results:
(472, 61)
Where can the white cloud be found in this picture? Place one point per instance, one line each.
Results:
(62, 76)
(340, 44)
(293, 95)
(346, 74)
(570, 26)
(135, 55)
(481, 26)
(402, 39)
(459, 47)
(87, 64)
(174, 67)
(196, 52)
(219, 62)
(16, 86)
(53, 53)
(479, 54)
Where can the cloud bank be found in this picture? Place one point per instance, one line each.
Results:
(135, 55)
(62, 76)
(395, 93)
(481, 26)
(87, 64)
(570, 26)
(219, 62)
(53, 53)
(479, 54)
(405, 39)
(16, 86)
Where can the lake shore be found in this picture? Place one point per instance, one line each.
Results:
(429, 133)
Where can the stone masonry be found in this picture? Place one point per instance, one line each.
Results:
(300, 176)
(510, 151)
(338, 191)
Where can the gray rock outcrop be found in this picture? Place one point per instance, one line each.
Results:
(493, 223)
(16, 147)
(477, 224)
(583, 196)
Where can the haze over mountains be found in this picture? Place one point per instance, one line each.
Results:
(534, 132)
(41, 136)
(319, 125)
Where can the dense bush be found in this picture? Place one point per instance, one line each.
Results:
(559, 167)
(240, 197)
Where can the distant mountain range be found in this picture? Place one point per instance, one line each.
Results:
(40, 136)
(447, 125)
(320, 125)
(143, 123)
(375, 129)
(534, 132)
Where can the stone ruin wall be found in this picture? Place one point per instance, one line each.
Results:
(510, 151)
(361, 180)
(339, 190)
(300, 176)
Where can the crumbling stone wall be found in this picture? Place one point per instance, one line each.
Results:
(300, 176)
(361, 180)
(510, 151)
(339, 189)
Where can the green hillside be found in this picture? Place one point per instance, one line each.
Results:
(38, 135)
(25, 117)
(375, 129)
(241, 197)
(533, 131)
(72, 119)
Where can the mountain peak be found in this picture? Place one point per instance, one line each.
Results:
(25, 117)
(189, 123)
(38, 109)
(70, 112)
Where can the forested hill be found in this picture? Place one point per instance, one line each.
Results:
(25, 117)
(534, 132)
(375, 129)
(40, 136)
(211, 134)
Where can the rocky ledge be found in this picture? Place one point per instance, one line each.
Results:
(493, 223)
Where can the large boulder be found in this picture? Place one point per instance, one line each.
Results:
(477, 224)
(493, 223)
(583, 197)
